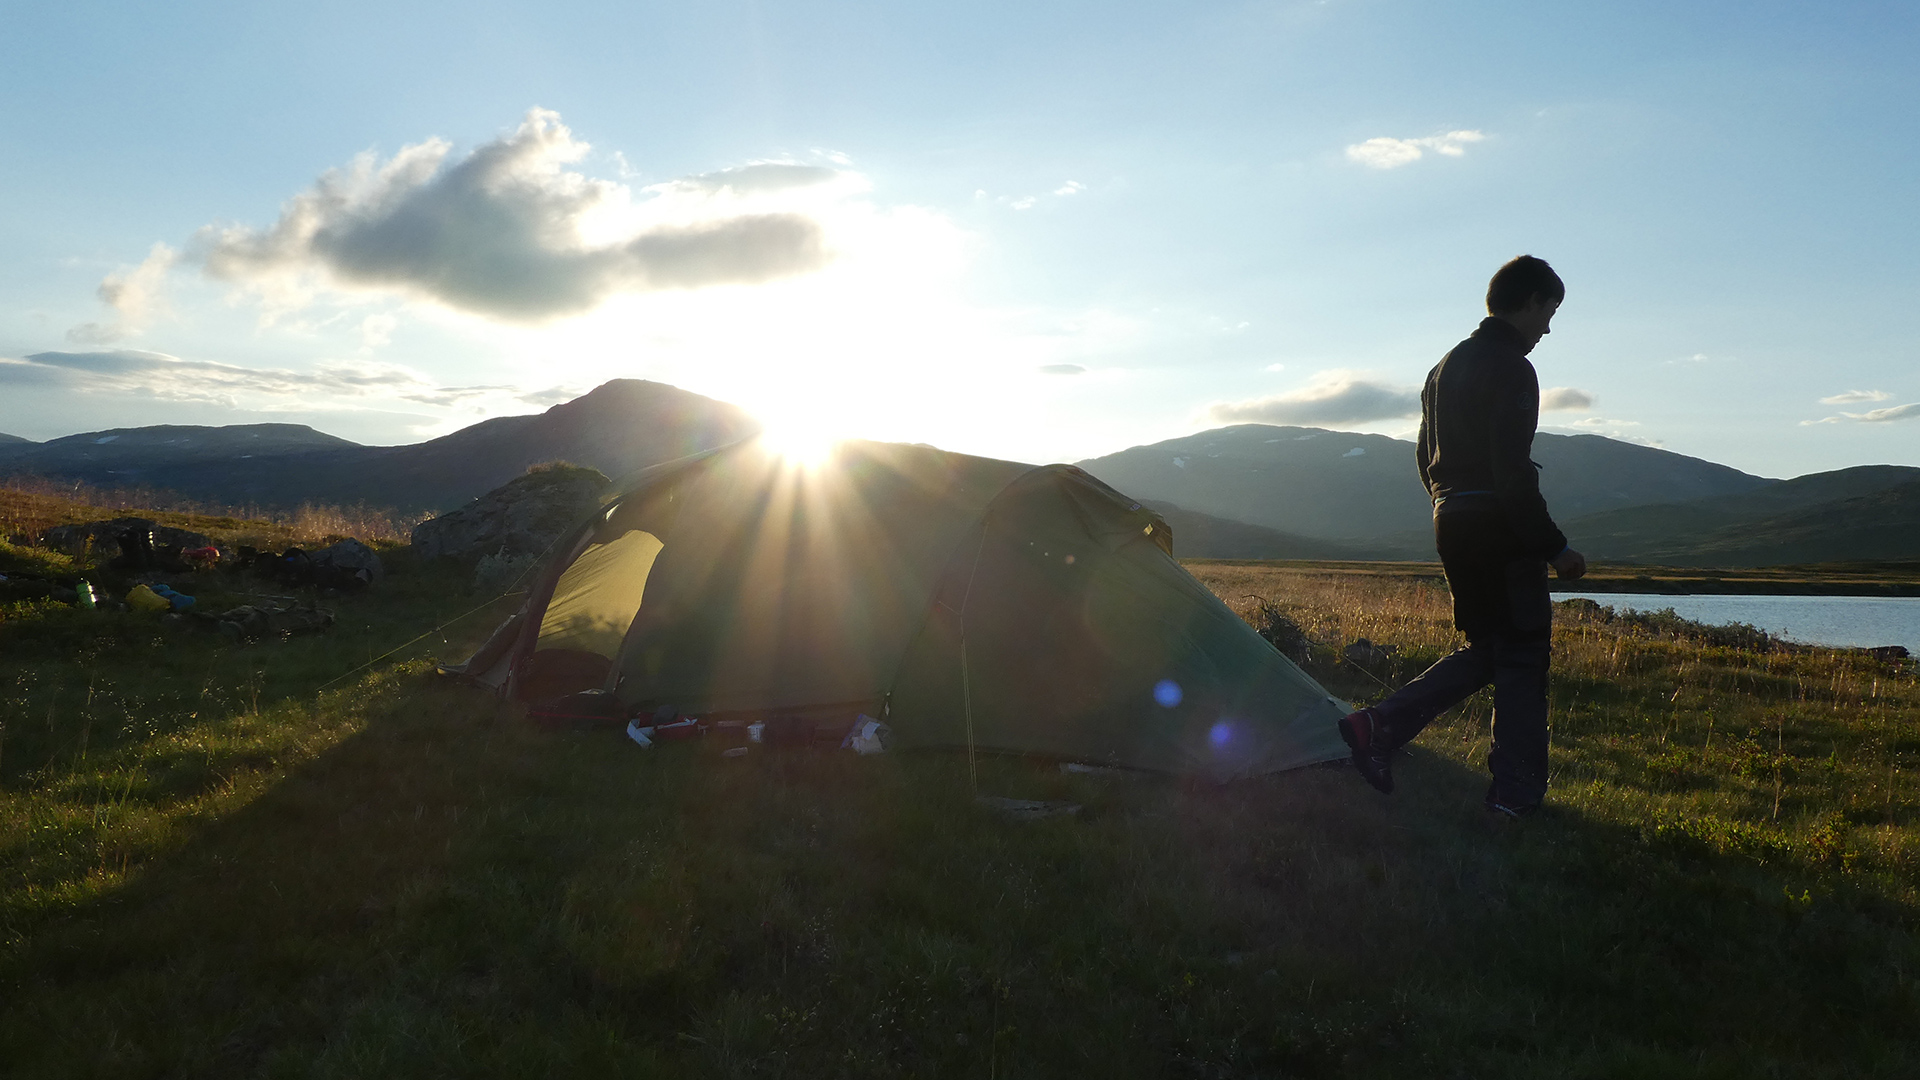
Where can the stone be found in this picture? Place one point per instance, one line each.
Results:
(349, 555)
(523, 516)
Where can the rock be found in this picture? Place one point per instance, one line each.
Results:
(524, 516)
(105, 535)
(1366, 654)
(351, 556)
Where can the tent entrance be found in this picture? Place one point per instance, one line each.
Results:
(593, 604)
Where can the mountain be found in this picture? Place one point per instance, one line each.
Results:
(1203, 536)
(1365, 491)
(1665, 531)
(619, 427)
(10, 440)
(1877, 518)
(126, 455)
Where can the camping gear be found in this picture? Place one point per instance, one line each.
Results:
(200, 557)
(178, 601)
(142, 598)
(867, 736)
(83, 595)
(964, 601)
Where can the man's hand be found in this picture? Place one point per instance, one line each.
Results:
(1569, 564)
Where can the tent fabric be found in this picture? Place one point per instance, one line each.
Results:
(983, 603)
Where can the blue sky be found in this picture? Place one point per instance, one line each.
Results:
(1032, 231)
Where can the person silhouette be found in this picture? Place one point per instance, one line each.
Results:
(1478, 413)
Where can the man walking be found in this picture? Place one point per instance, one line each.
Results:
(1478, 412)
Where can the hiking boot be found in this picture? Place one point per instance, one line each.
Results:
(1511, 809)
(1372, 754)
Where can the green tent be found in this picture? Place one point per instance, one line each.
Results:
(972, 602)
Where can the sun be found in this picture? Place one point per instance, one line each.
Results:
(803, 445)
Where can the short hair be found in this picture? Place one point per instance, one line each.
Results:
(1521, 280)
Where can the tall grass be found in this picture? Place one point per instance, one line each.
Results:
(30, 505)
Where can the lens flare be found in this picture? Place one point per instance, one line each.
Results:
(1166, 692)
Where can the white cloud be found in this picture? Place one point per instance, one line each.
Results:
(136, 295)
(1389, 153)
(1026, 203)
(1872, 416)
(1071, 187)
(1062, 369)
(1881, 416)
(1855, 397)
(511, 233)
(1334, 397)
(1565, 399)
(169, 378)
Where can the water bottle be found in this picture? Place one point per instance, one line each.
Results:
(84, 596)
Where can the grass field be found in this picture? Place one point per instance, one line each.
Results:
(278, 859)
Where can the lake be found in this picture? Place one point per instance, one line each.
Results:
(1813, 620)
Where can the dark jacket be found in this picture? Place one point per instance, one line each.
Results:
(1478, 412)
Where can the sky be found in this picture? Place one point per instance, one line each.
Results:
(1034, 231)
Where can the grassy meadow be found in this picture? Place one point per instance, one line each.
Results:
(314, 858)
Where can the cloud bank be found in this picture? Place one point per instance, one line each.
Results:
(1565, 399)
(1389, 153)
(160, 377)
(1855, 397)
(1335, 397)
(510, 233)
(1872, 416)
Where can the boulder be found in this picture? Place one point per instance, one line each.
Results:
(523, 516)
(105, 535)
(350, 556)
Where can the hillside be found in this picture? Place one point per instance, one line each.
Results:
(1644, 533)
(1204, 536)
(1333, 485)
(1881, 525)
(7, 440)
(621, 426)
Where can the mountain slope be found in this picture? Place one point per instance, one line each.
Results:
(1203, 536)
(1635, 533)
(1881, 526)
(1365, 489)
(7, 440)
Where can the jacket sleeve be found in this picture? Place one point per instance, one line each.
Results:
(1516, 480)
(1423, 449)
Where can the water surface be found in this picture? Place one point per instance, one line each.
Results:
(1862, 621)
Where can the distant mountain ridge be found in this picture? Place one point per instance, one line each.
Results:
(1364, 490)
(619, 427)
(1359, 496)
(130, 452)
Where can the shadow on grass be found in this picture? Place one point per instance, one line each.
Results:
(448, 892)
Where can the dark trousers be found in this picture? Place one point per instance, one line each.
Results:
(1501, 604)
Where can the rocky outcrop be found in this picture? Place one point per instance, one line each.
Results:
(522, 517)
